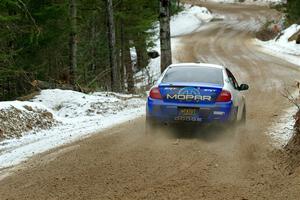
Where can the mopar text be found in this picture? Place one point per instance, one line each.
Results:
(189, 97)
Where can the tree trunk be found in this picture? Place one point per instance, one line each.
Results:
(122, 42)
(115, 82)
(165, 35)
(73, 42)
(141, 53)
(128, 66)
(94, 49)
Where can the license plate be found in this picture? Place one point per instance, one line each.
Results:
(188, 111)
(188, 118)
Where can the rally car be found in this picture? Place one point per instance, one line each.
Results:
(196, 93)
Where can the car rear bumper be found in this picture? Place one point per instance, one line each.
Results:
(160, 111)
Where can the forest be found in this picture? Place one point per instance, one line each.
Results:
(70, 42)
(293, 11)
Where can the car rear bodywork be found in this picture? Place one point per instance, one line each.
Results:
(200, 102)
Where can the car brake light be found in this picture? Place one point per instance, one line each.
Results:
(224, 96)
(155, 93)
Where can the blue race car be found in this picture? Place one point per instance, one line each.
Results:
(198, 93)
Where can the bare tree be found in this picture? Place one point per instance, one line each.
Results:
(165, 35)
(294, 99)
(73, 42)
(115, 81)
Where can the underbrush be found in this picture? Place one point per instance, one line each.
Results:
(268, 31)
(293, 146)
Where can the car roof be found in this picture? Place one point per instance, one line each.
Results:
(197, 65)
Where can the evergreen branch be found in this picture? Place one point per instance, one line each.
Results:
(30, 16)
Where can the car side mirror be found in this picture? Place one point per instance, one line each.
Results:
(243, 87)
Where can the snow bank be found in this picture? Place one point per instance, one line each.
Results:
(79, 115)
(189, 20)
(18, 117)
(256, 2)
(68, 104)
(281, 47)
(185, 22)
(282, 128)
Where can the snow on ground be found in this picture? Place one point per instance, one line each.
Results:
(189, 20)
(281, 47)
(18, 117)
(185, 22)
(79, 115)
(152, 72)
(257, 2)
(282, 128)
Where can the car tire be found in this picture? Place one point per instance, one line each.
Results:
(233, 121)
(235, 124)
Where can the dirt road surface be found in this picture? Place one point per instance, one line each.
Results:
(123, 163)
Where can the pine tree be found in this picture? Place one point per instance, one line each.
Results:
(293, 11)
(66, 41)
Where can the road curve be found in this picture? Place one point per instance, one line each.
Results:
(123, 163)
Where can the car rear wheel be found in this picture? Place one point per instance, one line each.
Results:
(237, 125)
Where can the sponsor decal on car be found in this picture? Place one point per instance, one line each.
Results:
(188, 97)
(189, 94)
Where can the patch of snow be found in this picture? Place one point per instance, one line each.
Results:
(80, 115)
(256, 2)
(223, 1)
(152, 72)
(282, 129)
(71, 104)
(189, 20)
(281, 47)
(17, 117)
(21, 105)
(133, 55)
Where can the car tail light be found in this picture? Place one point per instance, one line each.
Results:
(155, 93)
(224, 96)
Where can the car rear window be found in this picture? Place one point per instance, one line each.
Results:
(194, 74)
